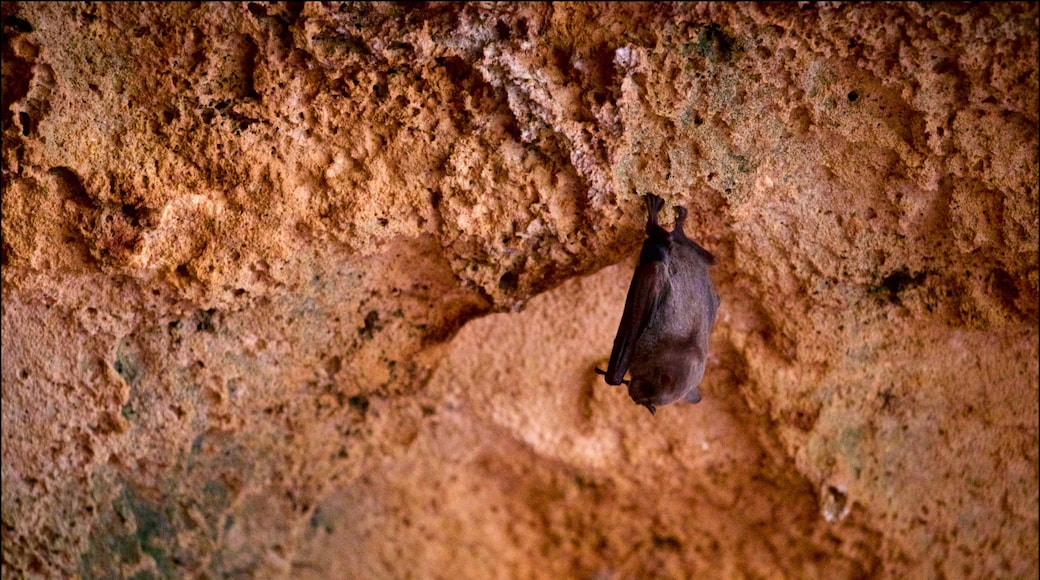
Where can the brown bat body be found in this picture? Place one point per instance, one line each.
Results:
(663, 337)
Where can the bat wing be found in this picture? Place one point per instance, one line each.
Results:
(645, 294)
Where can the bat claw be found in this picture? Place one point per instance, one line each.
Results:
(680, 222)
(600, 371)
(654, 204)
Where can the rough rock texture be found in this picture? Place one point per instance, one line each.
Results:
(240, 242)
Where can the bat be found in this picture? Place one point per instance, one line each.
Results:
(662, 341)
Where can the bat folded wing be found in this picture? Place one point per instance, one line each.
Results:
(649, 285)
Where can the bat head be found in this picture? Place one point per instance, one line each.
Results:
(666, 382)
(652, 392)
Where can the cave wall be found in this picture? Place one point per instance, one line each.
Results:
(316, 290)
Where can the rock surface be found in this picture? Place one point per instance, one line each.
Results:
(317, 290)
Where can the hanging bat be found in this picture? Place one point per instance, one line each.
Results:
(663, 337)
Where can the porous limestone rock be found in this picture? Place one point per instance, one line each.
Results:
(317, 290)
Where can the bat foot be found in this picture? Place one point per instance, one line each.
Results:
(649, 407)
(654, 205)
(680, 218)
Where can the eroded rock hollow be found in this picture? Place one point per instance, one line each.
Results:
(301, 290)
